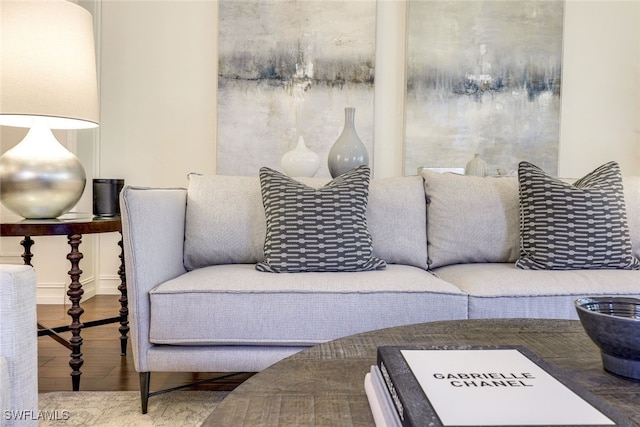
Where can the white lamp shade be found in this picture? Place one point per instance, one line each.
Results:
(47, 64)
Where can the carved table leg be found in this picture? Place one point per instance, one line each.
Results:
(26, 244)
(124, 302)
(75, 295)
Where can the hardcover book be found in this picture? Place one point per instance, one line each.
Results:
(485, 386)
(382, 407)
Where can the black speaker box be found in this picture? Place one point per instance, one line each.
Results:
(106, 193)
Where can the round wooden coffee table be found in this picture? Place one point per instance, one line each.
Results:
(324, 385)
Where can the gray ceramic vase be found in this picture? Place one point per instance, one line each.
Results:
(348, 151)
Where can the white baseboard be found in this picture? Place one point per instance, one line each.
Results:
(52, 293)
(9, 258)
(108, 285)
(56, 293)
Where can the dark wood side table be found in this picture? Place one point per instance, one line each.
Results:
(73, 226)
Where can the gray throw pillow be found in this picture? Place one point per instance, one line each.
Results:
(322, 229)
(573, 226)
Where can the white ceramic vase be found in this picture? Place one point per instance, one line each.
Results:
(300, 161)
(476, 166)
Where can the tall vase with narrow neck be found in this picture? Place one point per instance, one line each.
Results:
(348, 151)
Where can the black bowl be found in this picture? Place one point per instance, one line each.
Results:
(613, 323)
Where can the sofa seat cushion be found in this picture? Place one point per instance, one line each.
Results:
(235, 304)
(500, 290)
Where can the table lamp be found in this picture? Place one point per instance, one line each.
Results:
(47, 81)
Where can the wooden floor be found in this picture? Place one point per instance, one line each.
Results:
(104, 368)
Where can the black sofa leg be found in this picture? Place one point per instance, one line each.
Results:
(145, 378)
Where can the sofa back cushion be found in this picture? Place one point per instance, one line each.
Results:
(225, 221)
(472, 219)
(397, 217)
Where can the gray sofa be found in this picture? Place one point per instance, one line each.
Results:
(198, 304)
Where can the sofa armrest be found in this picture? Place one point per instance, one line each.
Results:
(18, 343)
(153, 222)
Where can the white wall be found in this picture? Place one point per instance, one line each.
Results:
(159, 104)
(600, 117)
(158, 90)
(158, 68)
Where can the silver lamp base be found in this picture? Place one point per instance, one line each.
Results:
(39, 178)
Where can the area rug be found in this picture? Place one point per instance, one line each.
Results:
(122, 409)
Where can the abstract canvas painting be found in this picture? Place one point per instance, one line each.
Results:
(288, 68)
(483, 77)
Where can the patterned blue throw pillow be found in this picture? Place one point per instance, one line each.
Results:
(573, 226)
(322, 229)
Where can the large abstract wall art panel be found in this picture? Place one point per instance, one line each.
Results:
(288, 68)
(483, 77)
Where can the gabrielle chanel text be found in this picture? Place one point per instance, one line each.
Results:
(489, 379)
